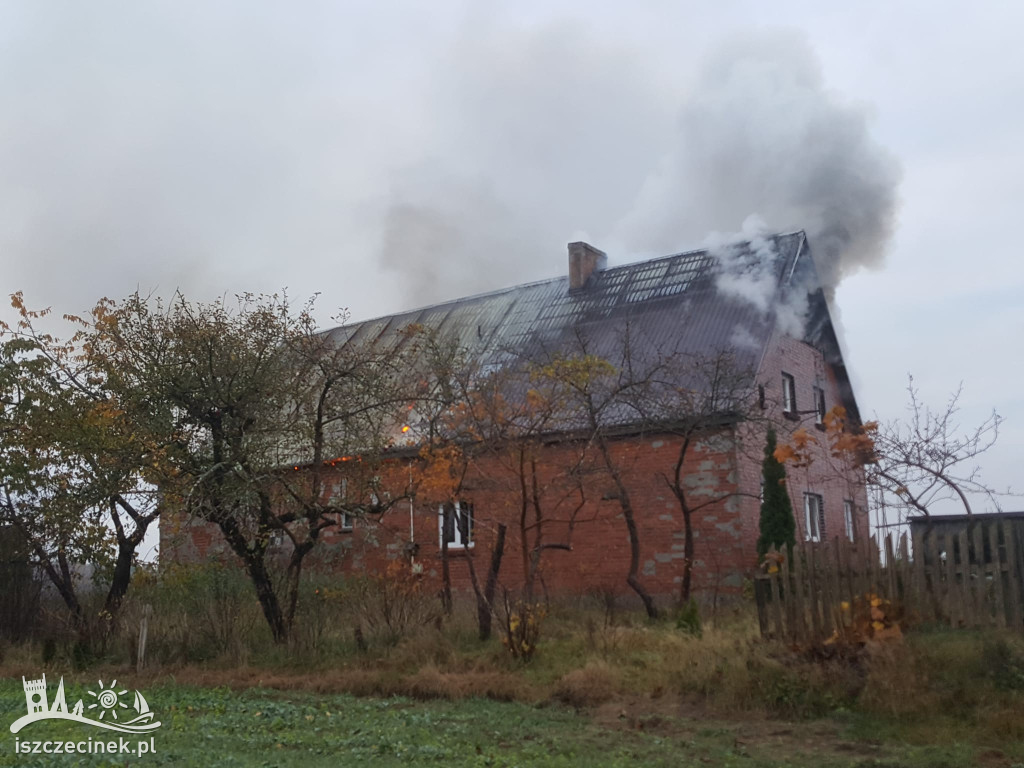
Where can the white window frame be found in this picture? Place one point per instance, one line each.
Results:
(814, 517)
(819, 406)
(848, 513)
(459, 508)
(788, 393)
(345, 519)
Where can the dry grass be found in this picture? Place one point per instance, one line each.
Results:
(590, 686)
(936, 684)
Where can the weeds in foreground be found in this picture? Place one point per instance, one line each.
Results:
(941, 684)
(521, 624)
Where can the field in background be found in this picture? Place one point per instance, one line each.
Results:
(260, 727)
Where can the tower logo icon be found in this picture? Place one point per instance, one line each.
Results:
(35, 695)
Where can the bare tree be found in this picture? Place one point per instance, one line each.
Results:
(601, 399)
(926, 458)
(697, 398)
(913, 464)
(496, 428)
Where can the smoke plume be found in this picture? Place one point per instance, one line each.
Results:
(760, 134)
(565, 132)
(748, 270)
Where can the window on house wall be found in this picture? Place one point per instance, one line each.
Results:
(788, 394)
(339, 495)
(819, 406)
(456, 524)
(814, 517)
(848, 510)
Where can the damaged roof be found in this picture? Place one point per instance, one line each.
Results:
(669, 305)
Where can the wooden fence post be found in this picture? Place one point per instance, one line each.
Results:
(1001, 613)
(813, 589)
(147, 611)
(924, 597)
(981, 591)
(1014, 574)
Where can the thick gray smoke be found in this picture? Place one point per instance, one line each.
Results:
(761, 134)
(535, 137)
(562, 137)
(234, 146)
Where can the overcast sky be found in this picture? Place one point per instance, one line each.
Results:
(392, 154)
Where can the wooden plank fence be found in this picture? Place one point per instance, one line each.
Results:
(836, 589)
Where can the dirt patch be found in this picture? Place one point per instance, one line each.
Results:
(427, 683)
(993, 758)
(688, 720)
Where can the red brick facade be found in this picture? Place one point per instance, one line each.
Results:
(725, 466)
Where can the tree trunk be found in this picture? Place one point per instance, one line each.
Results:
(634, 568)
(446, 573)
(127, 545)
(257, 571)
(65, 588)
(294, 576)
(626, 505)
(255, 566)
(483, 607)
(61, 579)
(120, 579)
(687, 576)
(524, 508)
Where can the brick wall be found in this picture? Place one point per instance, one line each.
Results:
(825, 476)
(600, 554)
(725, 466)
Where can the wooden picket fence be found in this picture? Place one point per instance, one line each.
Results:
(970, 578)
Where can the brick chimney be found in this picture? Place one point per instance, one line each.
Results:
(584, 260)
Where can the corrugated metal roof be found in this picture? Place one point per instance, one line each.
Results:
(669, 305)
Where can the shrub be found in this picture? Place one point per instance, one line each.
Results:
(777, 524)
(521, 628)
(200, 612)
(321, 608)
(20, 597)
(393, 603)
(1003, 664)
(595, 684)
(688, 619)
(792, 690)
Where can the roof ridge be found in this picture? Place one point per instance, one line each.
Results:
(519, 286)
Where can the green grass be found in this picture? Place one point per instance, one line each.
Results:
(218, 727)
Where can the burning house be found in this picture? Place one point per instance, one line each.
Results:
(652, 488)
